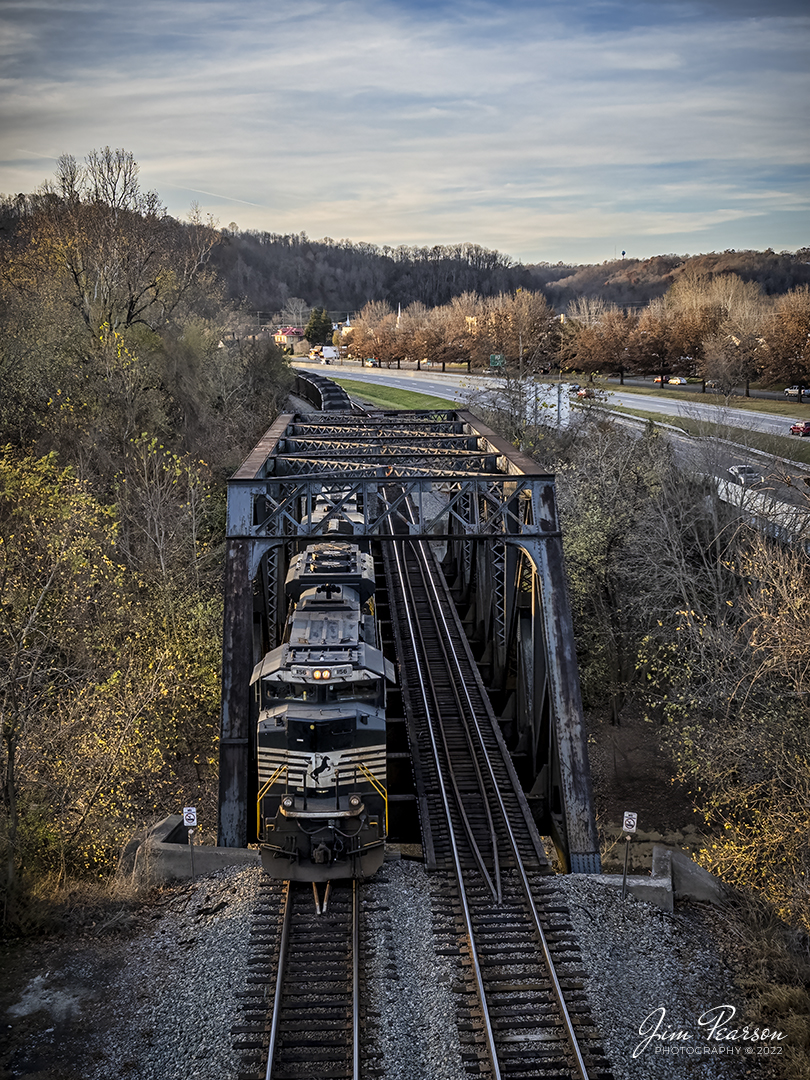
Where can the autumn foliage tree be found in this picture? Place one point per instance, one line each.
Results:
(124, 406)
(117, 323)
(689, 616)
(606, 344)
(787, 338)
(110, 657)
(685, 610)
(58, 578)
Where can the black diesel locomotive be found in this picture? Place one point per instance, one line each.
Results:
(322, 801)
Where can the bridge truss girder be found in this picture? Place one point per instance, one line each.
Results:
(500, 526)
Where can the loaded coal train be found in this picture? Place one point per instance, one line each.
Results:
(321, 741)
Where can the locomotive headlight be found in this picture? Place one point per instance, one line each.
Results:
(326, 674)
(288, 802)
(354, 800)
(316, 674)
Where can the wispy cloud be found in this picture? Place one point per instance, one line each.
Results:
(546, 130)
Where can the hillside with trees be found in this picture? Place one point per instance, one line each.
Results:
(633, 283)
(121, 413)
(134, 380)
(264, 270)
(729, 317)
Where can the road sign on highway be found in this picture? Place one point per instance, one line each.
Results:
(496, 359)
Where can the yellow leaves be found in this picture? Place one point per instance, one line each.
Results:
(143, 680)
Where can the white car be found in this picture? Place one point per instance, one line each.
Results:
(746, 475)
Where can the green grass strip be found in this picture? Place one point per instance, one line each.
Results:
(794, 449)
(390, 397)
(719, 401)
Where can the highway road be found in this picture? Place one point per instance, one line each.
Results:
(696, 410)
(460, 388)
(782, 481)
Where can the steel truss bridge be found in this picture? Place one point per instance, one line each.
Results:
(492, 518)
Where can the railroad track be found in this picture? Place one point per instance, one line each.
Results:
(522, 1019)
(440, 679)
(520, 1005)
(302, 1014)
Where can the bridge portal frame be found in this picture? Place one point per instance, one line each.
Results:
(513, 511)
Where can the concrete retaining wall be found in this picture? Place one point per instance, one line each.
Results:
(163, 854)
(674, 877)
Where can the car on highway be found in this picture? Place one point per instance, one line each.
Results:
(586, 392)
(793, 391)
(677, 380)
(746, 475)
(801, 427)
(658, 379)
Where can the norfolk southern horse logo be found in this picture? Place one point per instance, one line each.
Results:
(321, 770)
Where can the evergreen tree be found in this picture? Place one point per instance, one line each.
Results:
(319, 328)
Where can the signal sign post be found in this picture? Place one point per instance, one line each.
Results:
(629, 826)
(497, 359)
(190, 821)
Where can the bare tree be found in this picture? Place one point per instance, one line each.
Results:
(124, 259)
(295, 312)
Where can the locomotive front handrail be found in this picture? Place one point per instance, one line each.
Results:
(263, 791)
(375, 783)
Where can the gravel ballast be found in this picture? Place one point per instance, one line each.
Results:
(157, 1000)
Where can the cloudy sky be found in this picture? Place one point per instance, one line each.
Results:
(568, 130)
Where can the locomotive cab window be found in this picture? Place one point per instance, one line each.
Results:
(274, 692)
(367, 690)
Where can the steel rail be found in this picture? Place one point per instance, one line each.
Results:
(462, 810)
(495, 888)
(282, 961)
(567, 1022)
(355, 982)
(476, 966)
(278, 995)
